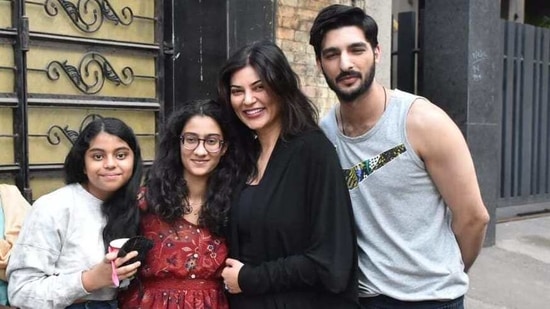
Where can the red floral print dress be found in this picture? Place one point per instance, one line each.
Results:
(182, 270)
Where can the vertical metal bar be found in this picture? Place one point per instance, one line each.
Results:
(20, 113)
(420, 54)
(527, 112)
(161, 81)
(406, 45)
(516, 110)
(537, 117)
(545, 111)
(534, 119)
(506, 170)
(168, 47)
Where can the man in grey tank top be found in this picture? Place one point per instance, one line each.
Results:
(420, 218)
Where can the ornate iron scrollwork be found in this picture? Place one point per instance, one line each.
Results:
(91, 73)
(88, 15)
(54, 131)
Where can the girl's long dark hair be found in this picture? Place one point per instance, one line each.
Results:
(298, 113)
(120, 209)
(166, 187)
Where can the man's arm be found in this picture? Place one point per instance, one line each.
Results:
(442, 147)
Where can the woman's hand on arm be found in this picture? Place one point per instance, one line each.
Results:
(230, 276)
(100, 275)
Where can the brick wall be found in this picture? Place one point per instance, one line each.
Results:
(294, 19)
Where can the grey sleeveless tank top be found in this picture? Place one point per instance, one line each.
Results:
(407, 249)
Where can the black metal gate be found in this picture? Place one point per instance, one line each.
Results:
(65, 62)
(405, 58)
(525, 167)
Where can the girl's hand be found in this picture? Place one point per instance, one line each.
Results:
(127, 271)
(230, 276)
(99, 276)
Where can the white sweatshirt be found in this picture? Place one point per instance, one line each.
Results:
(61, 238)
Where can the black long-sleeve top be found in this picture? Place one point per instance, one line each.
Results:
(298, 244)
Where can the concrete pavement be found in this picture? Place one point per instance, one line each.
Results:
(515, 272)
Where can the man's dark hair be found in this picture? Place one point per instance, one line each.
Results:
(336, 16)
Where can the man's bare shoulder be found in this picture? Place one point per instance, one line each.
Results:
(425, 114)
(429, 126)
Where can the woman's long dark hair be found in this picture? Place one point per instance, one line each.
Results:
(166, 187)
(120, 209)
(298, 113)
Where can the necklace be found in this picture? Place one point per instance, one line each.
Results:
(383, 111)
(192, 208)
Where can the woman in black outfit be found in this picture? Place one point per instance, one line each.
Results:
(291, 238)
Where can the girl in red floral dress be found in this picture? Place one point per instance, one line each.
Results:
(184, 211)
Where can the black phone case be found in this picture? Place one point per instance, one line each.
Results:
(137, 243)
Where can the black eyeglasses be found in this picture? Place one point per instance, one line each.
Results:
(212, 142)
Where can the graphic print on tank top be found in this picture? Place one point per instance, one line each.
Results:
(362, 170)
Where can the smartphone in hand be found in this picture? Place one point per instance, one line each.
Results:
(137, 243)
